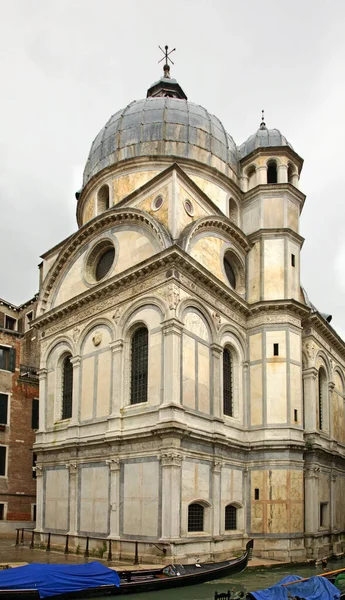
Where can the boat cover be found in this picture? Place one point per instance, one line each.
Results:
(314, 588)
(50, 580)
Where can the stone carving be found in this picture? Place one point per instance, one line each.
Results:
(75, 334)
(171, 459)
(311, 472)
(73, 468)
(173, 296)
(310, 349)
(217, 320)
(97, 338)
(116, 316)
(217, 466)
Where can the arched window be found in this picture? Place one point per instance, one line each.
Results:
(272, 172)
(195, 517)
(229, 271)
(67, 388)
(139, 365)
(103, 202)
(322, 397)
(251, 174)
(230, 517)
(228, 396)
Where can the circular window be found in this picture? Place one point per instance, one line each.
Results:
(100, 261)
(230, 273)
(157, 203)
(189, 208)
(104, 263)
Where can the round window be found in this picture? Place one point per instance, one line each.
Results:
(104, 263)
(229, 271)
(189, 208)
(157, 203)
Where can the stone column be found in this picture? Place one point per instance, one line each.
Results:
(114, 467)
(117, 400)
(171, 495)
(216, 471)
(261, 175)
(294, 180)
(76, 362)
(244, 183)
(39, 498)
(309, 396)
(42, 377)
(282, 174)
(73, 498)
(311, 501)
(216, 353)
(172, 333)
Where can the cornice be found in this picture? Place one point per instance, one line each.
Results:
(216, 224)
(273, 190)
(292, 306)
(326, 331)
(276, 233)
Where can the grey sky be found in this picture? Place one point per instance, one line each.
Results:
(67, 65)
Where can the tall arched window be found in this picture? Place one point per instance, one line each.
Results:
(272, 172)
(195, 517)
(103, 199)
(67, 388)
(230, 517)
(139, 366)
(322, 404)
(228, 396)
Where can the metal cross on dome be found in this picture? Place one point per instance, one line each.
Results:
(167, 58)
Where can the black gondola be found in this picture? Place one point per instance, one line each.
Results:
(135, 581)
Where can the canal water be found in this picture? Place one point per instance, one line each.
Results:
(251, 579)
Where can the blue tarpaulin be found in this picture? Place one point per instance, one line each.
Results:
(314, 588)
(50, 580)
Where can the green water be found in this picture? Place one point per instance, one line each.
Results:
(249, 580)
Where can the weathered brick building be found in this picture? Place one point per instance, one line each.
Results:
(18, 414)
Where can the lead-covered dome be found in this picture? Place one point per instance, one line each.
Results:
(263, 138)
(162, 126)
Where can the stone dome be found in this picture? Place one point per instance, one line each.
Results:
(263, 138)
(162, 126)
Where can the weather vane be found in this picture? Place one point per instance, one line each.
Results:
(166, 57)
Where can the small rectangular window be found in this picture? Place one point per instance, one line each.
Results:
(295, 415)
(10, 323)
(34, 414)
(33, 512)
(256, 494)
(34, 460)
(293, 260)
(2, 512)
(3, 409)
(275, 349)
(323, 514)
(3, 452)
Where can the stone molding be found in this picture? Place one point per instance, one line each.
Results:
(217, 224)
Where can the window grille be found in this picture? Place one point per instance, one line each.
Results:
(104, 263)
(322, 381)
(228, 400)
(67, 388)
(230, 517)
(3, 409)
(139, 366)
(230, 273)
(195, 517)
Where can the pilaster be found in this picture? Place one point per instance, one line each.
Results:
(309, 388)
(171, 494)
(73, 498)
(39, 498)
(42, 378)
(216, 480)
(311, 482)
(117, 370)
(172, 334)
(76, 362)
(114, 468)
(216, 354)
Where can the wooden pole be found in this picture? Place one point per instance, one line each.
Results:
(317, 575)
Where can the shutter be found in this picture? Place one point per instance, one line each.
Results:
(2, 319)
(3, 409)
(34, 414)
(12, 359)
(21, 325)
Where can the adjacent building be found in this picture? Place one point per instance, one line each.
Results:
(19, 360)
(190, 393)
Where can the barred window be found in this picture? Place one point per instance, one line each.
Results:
(67, 387)
(230, 517)
(104, 263)
(228, 398)
(139, 366)
(322, 395)
(195, 517)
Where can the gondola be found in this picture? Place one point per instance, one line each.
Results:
(69, 582)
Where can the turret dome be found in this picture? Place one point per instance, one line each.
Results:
(263, 138)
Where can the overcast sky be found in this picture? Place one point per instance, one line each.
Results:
(67, 65)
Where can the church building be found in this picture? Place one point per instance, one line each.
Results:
(190, 393)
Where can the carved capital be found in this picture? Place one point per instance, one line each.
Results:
(216, 350)
(76, 360)
(217, 467)
(171, 459)
(73, 468)
(311, 472)
(116, 346)
(38, 470)
(42, 374)
(114, 464)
